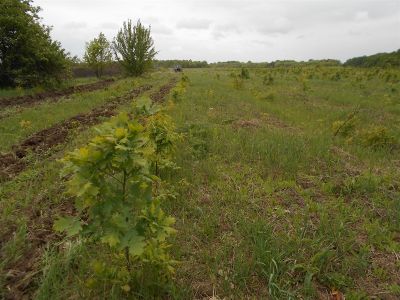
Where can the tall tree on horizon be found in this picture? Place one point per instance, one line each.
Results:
(98, 54)
(134, 48)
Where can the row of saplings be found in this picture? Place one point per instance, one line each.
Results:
(118, 192)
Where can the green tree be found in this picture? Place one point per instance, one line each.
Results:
(98, 54)
(28, 56)
(134, 48)
(118, 199)
(383, 60)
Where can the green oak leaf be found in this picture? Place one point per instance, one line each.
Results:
(134, 242)
(71, 225)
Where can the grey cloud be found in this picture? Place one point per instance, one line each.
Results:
(361, 16)
(109, 25)
(218, 35)
(263, 42)
(227, 27)
(238, 30)
(75, 25)
(194, 24)
(221, 31)
(355, 32)
(322, 13)
(161, 30)
(278, 25)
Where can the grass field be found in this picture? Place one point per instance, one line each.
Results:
(288, 187)
(272, 204)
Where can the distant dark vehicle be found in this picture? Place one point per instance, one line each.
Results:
(178, 68)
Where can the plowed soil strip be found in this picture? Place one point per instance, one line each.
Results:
(164, 90)
(12, 163)
(20, 276)
(54, 95)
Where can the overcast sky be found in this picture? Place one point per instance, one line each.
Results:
(221, 30)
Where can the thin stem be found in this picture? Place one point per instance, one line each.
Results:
(128, 261)
(113, 177)
(349, 118)
(124, 185)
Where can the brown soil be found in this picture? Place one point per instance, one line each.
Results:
(253, 123)
(263, 120)
(54, 95)
(164, 90)
(20, 275)
(12, 163)
(275, 122)
(388, 264)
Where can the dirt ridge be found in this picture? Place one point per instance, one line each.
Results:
(54, 95)
(164, 90)
(12, 163)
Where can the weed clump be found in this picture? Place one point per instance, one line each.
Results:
(180, 88)
(268, 79)
(238, 83)
(270, 97)
(344, 128)
(244, 74)
(25, 124)
(378, 137)
(185, 81)
(198, 136)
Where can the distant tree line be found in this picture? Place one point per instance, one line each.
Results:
(237, 64)
(311, 62)
(378, 60)
(383, 60)
(277, 63)
(182, 62)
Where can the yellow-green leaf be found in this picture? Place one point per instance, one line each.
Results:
(111, 239)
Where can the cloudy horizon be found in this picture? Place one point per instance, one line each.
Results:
(222, 30)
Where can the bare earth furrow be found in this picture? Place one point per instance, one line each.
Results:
(164, 90)
(13, 163)
(54, 95)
